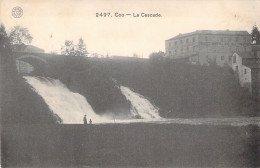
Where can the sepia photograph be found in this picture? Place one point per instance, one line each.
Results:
(131, 84)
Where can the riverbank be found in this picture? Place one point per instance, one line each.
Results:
(135, 144)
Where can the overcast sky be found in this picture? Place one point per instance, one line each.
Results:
(51, 22)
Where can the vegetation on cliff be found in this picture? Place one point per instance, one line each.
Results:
(179, 90)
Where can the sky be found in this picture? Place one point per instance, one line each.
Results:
(51, 22)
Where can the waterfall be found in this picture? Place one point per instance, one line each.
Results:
(139, 105)
(70, 107)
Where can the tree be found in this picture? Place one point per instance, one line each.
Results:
(20, 35)
(69, 48)
(255, 35)
(5, 51)
(4, 40)
(95, 55)
(107, 56)
(157, 56)
(81, 48)
(135, 55)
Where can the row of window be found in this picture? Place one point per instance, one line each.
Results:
(211, 49)
(222, 58)
(228, 39)
(218, 47)
(182, 50)
(206, 38)
(227, 48)
(182, 41)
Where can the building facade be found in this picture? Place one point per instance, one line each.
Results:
(243, 72)
(205, 46)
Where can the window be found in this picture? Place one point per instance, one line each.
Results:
(181, 50)
(193, 48)
(236, 38)
(187, 49)
(169, 44)
(222, 58)
(206, 38)
(245, 71)
(175, 42)
(234, 59)
(237, 68)
(181, 41)
(193, 39)
(187, 40)
(170, 52)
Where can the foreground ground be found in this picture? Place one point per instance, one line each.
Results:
(137, 145)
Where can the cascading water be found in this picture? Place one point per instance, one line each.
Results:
(139, 105)
(70, 107)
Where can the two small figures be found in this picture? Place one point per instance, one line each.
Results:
(85, 120)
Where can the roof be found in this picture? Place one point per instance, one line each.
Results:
(211, 32)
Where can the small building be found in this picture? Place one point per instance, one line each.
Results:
(243, 72)
(205, 46)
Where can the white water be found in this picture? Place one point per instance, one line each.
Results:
(70, 107)
(239, 121)
(140, 105)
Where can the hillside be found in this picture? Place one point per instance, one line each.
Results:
(179, 90)
(185, 90)
(19, 103)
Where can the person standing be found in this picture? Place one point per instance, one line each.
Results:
(90, 121)
(85, 119)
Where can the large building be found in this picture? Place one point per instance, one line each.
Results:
(205, 46)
